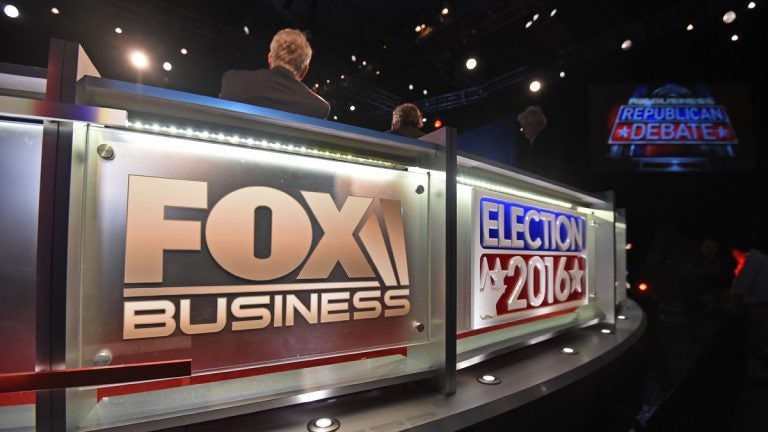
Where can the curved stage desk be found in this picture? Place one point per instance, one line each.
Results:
(175, 259)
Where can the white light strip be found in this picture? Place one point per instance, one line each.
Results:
(254, 142)
(440, 175)
(511, 191)
(244, 289)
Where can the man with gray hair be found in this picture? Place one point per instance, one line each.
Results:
(280, 86)
(542, 154)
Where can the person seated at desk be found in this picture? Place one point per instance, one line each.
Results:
(406, 121)
(280, 86)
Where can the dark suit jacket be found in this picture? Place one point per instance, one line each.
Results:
(275, 88)
(543, 157)
(407, 131)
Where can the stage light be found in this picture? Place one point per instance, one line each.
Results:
(323, 424)
(246, 30)
(351, 107)
(139, 60)
(167, 66)
(534, 86)
(55, 10)
(629, 246)
(528, 24)
(445, 11)
(354, 58)
(535, 17)
(642, 286)
(734, 38)
(562, 74)
(423, 119)
(11, 11)
(626, 45)
(183, 51)
(364, 63)
(751, 5)
(418, 28)
(378, 72)
(554, 11)
(488, 379)
(410, 86)
(690, 27)
(729, 17)
(425, 92)
(118, 30)
(438, 124)
(335, 117)
(342, 77)
(471, 63)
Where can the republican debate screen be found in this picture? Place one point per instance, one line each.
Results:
(670, 127)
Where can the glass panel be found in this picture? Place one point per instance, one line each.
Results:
(526, 274)
(20, 147)
(311, 270)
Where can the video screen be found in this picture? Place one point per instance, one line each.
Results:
(670, 127)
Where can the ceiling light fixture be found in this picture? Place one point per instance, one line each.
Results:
(553, 13)
(410, 86)
(626, 45)
(734, 38)
(729, 17)
(535, 17)
(751, 5)
(528, 24)
(55, 10)
(535, 86)
(118, 30)
(690, 27)
(246, 30)
(139, 60)
(354, 58)
(351, 107)
(445, 11)
(167, 66)
(11, 11)
(183, 51)
(418, 28)
(425, 92)
(562, 74)
(471, 63)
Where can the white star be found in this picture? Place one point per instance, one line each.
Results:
(722, 132)
(576, 273)
(487, 302)
(497, 276)
(624, 132)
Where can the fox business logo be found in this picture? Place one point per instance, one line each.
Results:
(230, 234)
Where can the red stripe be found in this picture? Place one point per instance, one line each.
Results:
(18, 398)
(120, 390)
(471, 333)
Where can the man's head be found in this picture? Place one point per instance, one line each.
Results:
(290, 49)
(406, 115)
(532, 121)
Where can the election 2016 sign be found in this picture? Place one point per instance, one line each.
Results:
(529, 260)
